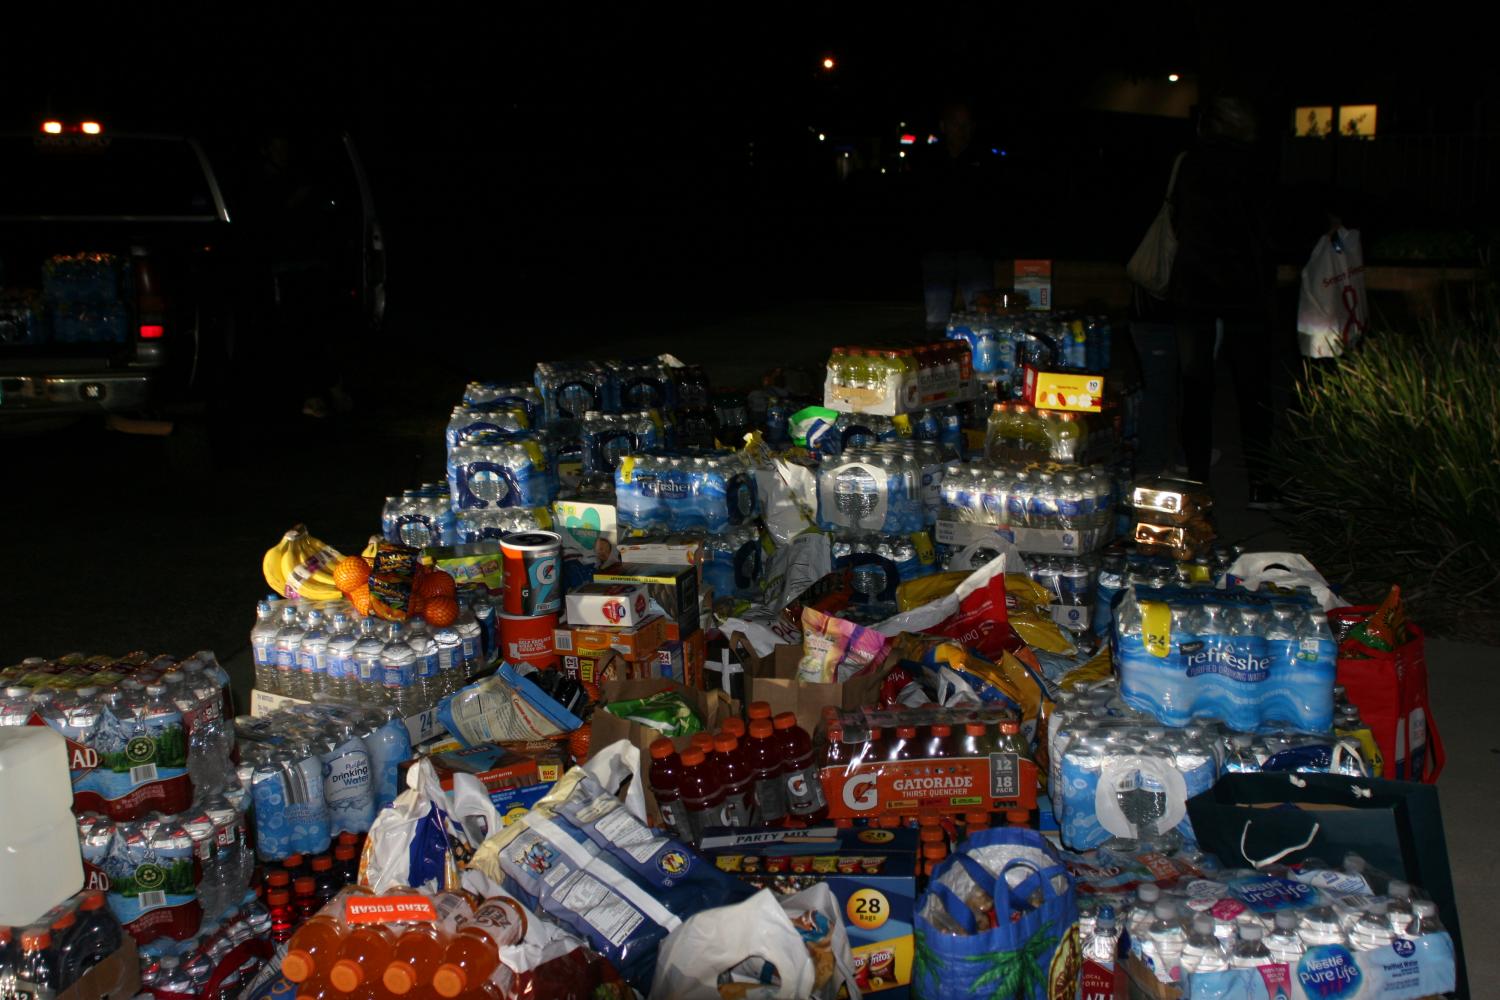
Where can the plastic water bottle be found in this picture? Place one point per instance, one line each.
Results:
(1201, 952)
(369, 676)
(452, 668)
(288, 642)
(1283, 943)
(389, 743)
(1373, 929)
(398, 666)
(1319, 925)
(1165, 938)
(1102, 945)
(1140, 914)
(1400, 908)
(263, 646)
(1250, 952)
(340, 677)
(467, 627)
(312, 657)
(427, 675)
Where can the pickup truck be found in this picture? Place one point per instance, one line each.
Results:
(124, 272)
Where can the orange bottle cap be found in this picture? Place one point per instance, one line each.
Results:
(703, 741)
(65, 921)
(976, 817)
(347, 839)
(975, 728)
(346, 975)
(1010, 728)
(278, 878)
(278, 897)
(735, 728)
(761, 728)
(449, 981)
(726, 744)
(759, 710)
(94, 900)
(322, 863)
(692, 757)
(836, 734)
(305, 886)
(906, 732)
(298, 966)
(934, 852)
(292, 861)
(933, 835)
(35, 940)
(343, 853)
(399, 978)
(941, 731)
(786, 720)
(661, 748)
(1018, 816)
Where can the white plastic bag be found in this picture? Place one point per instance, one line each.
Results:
(743, 937)
(409, 843)
(611, 767)
(788, 498)
(1332, 312)
(1282, 569)
(472, 809)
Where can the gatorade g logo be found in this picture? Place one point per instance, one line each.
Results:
(543, 574)
(860, 793)
(1328, 971)
(149, 877)
(673, 863)
(140, 749)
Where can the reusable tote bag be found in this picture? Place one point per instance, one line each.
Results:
(1031, 952)
(1151, 264)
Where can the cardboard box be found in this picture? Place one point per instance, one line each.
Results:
(683, 659)
(591, 528)
(872, 874)
(514, 779)
(673, 588)
(1034, 278)
(1079, 392)
(684, 553)
(637, 643)
(608, 604)
(773, 679)
(594, 668)
(477, 563)
(712, 707)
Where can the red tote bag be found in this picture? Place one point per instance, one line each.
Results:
(1390, 690)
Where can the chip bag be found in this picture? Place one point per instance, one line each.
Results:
(666, 712)
(835, 649)
(504, 707)
(398, 560)
(1028, 607)
(959, 675)
(1383, 631)
(972, 612)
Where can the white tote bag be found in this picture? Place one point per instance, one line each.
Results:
(1332, 313)
(1151, 264)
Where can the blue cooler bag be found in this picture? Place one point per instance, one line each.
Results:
(1033, 951)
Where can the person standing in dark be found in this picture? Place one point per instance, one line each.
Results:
(956, 191)
(1223, 279)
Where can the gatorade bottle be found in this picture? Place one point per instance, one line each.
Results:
(98, 936)
(346, 864)
(905, 747)
(766, 760)
(421, 947)
(311, 953)
(36, 965)
(804, 783)
(734, 777)
(474, 951)
(836, 754)
(939, 743)
(283, 914)
(305, 897)
(975, 742)
(666, 782)
(362, 958)
(932, 855)
(702, 795)
(325, 877)
(278, 878)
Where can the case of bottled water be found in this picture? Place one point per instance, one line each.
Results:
(571, 389)
(506, 395)
(684, 492)
(489, 473)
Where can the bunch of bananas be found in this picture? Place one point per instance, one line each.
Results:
(301, 566)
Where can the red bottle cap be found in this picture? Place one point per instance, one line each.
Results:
(35, 940)
(279, 897)
(344, 853)
(322, 863)
(760, 729)
(906, 732)
(975, 728)
(786, 720)
(279, 878)
(661, 748)
(734, 727)
(704, 742)
(1010, 728)
(942, 731)
(692, 757)
(759, 710)
(726, 744)
(63, 922)
(305, 886)
(92, 901)
(292, 861)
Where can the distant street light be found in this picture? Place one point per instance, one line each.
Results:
(1173, 77)
(828, 62)
(821, 136)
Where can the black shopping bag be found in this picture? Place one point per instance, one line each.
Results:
(1251, 820)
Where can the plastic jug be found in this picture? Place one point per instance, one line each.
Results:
(41, 865)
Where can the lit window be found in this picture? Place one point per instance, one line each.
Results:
(1314, 122)
(1357, 121)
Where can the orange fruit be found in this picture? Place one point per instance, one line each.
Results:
(360, 598)
(350, 573)
(437, 584)
(440, 611)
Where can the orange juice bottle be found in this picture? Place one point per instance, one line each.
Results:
(362, 957)
(473, 953)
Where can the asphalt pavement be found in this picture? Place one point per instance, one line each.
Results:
(118, 543)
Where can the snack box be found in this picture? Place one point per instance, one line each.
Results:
(608, 604)
(1080, 392)
(479, 562)
(635, 643)
(683, 659)
(593, 668)
(514, 778)
(872, 873)
(673, 588)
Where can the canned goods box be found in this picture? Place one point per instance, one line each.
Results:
(872, 874)
(609, 605)
(673, 588)
(635, 643)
